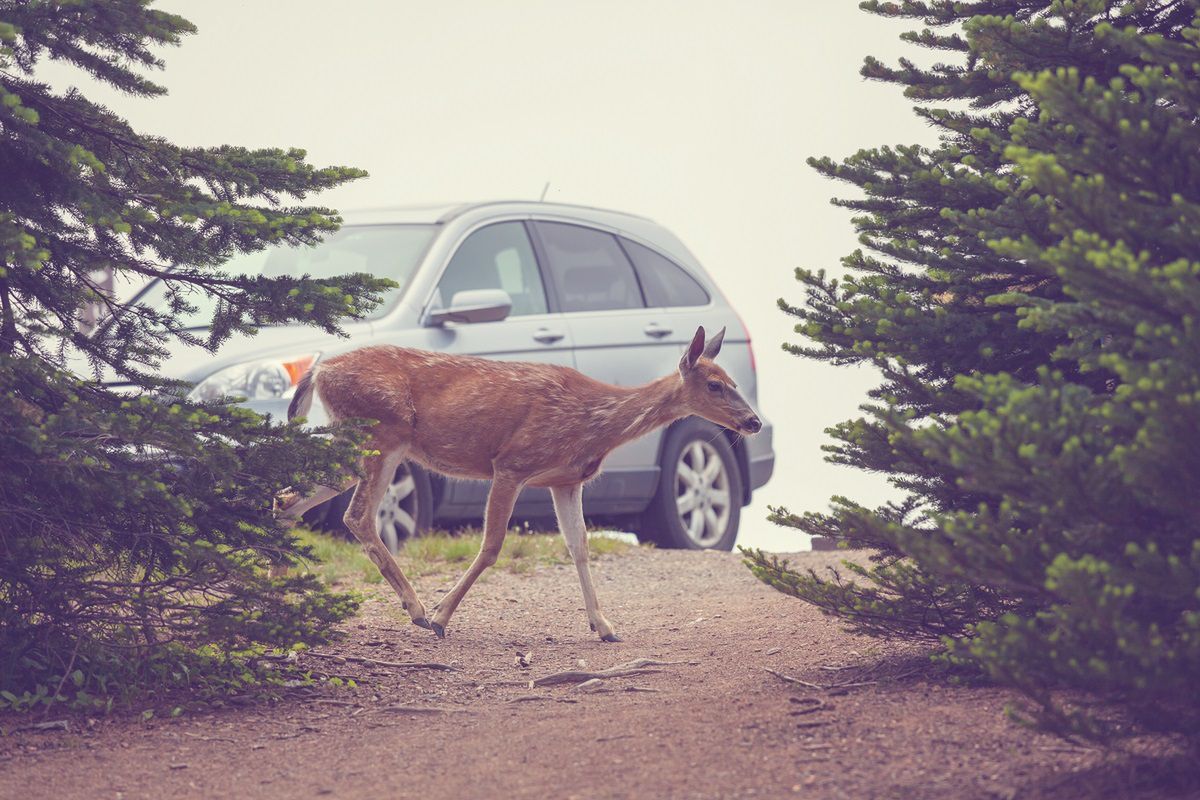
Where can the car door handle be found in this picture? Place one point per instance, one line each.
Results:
(656, 330)
(547, 336)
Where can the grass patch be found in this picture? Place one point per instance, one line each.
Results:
(439, 552)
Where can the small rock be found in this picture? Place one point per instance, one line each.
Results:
(178, 766)
(774, 650)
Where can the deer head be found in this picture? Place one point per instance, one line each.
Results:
(708, 390)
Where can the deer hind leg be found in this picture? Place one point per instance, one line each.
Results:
(360, 519)
(568, 507)
(501, 498)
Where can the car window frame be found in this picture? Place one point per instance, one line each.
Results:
(708, 294)
(543, 256)
(552, 307)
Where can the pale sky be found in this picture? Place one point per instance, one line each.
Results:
(696, 114)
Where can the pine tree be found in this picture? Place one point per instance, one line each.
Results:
(1031, 304)
(139, 525)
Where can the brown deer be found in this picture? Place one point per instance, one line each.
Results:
(518, 424)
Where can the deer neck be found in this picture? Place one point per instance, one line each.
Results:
(631, 413)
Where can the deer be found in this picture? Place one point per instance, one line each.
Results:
(516, 424)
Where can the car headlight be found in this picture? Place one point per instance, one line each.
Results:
(268, 379)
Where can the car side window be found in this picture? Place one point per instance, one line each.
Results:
(498, 256)
(665, 283)
(591, 272)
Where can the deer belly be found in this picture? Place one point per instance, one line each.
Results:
(451, 464)
(569, 475)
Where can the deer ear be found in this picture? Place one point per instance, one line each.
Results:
(714, 345)
(694, 351)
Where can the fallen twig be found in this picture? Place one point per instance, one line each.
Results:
(326, 702)
(209, 738)
(528, 698)
(820, 686)
(811, 705)
(423, 710)
(614, 738)
(42, 727)
(639, 666)
(377, 662)
(797, 681)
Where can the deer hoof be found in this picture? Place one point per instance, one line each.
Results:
(610, 637)
(438, 629)
(423, 623)
(592, 625)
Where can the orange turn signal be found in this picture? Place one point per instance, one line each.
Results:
(298, 368)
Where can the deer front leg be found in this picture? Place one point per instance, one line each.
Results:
(501, 498)
(291, 505)
(360, 519)
(568, 507)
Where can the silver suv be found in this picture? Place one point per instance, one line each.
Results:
(614, 295)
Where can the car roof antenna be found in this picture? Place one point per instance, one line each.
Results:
(545, 189)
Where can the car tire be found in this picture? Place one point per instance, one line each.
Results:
(405, 511)
(698, 503)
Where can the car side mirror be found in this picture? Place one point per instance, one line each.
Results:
(474, 305)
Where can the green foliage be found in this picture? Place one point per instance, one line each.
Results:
(1033, 313)
(134, 528)
(339, 561)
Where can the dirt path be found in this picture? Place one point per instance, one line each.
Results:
(715, 726)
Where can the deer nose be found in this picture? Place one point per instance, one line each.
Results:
(753, 425)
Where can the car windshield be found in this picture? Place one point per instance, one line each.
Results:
(386, 251)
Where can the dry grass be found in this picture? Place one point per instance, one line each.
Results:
(342, 561)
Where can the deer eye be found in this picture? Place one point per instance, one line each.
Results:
(714, 386)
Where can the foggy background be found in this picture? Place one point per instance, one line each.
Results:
(698, 115)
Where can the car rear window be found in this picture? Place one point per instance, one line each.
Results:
(591, 271)
(665, 283)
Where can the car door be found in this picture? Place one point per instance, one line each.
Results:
(499, 255)
(617, 340)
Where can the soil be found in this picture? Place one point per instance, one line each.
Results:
(714, 724)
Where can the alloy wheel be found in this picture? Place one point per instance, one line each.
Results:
(396, 519)
(702, 496)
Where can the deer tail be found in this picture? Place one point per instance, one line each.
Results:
(302, 399)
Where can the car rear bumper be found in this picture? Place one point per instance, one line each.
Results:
(760, 457)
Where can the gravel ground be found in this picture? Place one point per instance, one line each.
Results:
(715, 724)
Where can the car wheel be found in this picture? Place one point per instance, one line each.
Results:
(406, 509)
(698, 503)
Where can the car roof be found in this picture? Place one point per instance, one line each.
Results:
(435, 213)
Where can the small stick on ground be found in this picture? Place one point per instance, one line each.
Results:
(810, 705)
(423, 710)
(821, 686)
(53, 725)
(210, 738)
(797, 681)
(639, 666)
(392, 664)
